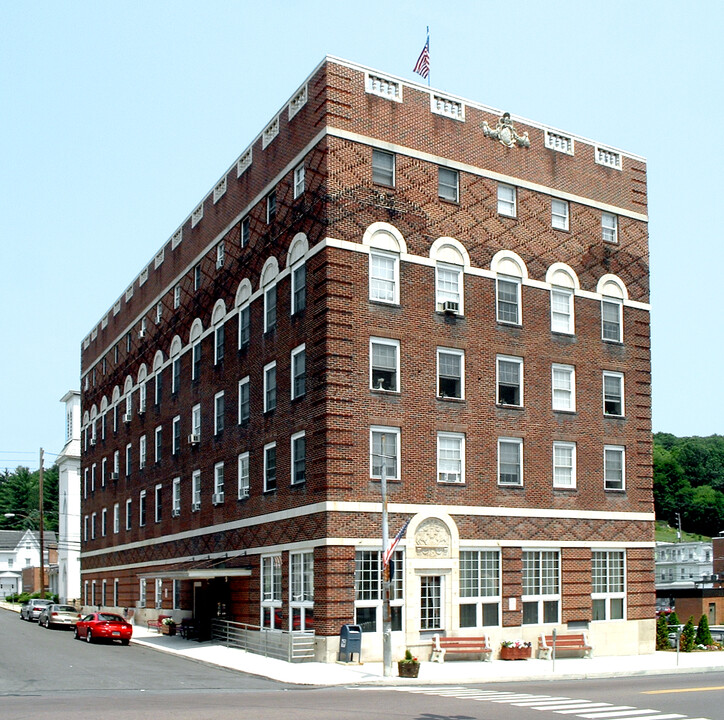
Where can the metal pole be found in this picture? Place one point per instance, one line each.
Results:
(386, 612)
(42, 538)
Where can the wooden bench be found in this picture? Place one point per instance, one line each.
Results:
(576, 642)
(441, 646)
(156, 624)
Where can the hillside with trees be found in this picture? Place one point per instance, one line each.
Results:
(689, 479)
(19, 492)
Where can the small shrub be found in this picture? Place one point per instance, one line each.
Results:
(686, 642)
(662, 633)
(703, 636)
(674, 619)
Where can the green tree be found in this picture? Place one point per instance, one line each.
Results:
(674, 619)
(703, 636)
(686, 643)
(662, 633)
(19, 494)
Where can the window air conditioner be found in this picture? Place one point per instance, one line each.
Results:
(114, 476)
(175, 512)
(141, 409)
(243, 494)
(92, 441)
(127, 417)
(218, 498)
(219, 263)
(196, 506)
(141, 334)
(451, 307)
(194, 439)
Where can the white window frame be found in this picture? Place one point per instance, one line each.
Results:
(501, 303)
(511, 442)
(219, 343)
(611, 593)
(218, 498)
(245, 231)
(451, 457)
(368, 587)
(460, 354)
(376, 432)
(298, 180)
(157, 444)
(129, 513)
(244, 326)
(219, 412)
(116, 518)
(176, 297)
(564, 464)
(142, 509)
(195, 490)
(175, 374)
(299, 288)
(271, 591)
(293, 457)
(606, 334)
(93, 525)
(451, 275)
(176, 497)
(563, 398)
(507, 200)
(128, 459)
(562, 317)
(196, 420)
(104, 522)
(244, 383)
(271, 206)
(176, 435)
(382, 288)
(243, 484)
(270, 388)
(299, 354)
(377, 384)
(157, 502)
(301, 590)
(610, 483)
(270, 308)
(142, 592)
(609, 228)
(560, 214)
(267, 467)
(510, 360)
(381, 174)
(616, 376)
(449, 185)
(539, 597)
(480, 582)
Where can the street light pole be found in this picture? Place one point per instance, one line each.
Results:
(386, 611)
(42, 534)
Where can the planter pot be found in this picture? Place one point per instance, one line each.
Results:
(168, 629)
(408, 669)
(512, 653)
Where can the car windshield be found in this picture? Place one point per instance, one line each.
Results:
(65, 608)
(107, 617)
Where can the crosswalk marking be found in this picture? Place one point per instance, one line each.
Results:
(619, 712)
(587, 706)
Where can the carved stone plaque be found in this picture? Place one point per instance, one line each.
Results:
(432, 539)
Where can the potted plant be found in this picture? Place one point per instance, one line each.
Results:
(409, 667)
(515, 650)
(168, 626)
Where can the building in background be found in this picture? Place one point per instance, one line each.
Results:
(388, 280)
(20, 560)
(68, 570)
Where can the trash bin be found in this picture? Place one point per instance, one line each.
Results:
(350, 642)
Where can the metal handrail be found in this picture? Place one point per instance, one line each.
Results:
(291, 646)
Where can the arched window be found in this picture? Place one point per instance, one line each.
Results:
(564, 283)
(296, 262)
(386, 244)
(243, 296)
(511, 271)
(613, 293)
(269, 287)
(450, 258)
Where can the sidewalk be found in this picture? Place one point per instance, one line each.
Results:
(451, 672)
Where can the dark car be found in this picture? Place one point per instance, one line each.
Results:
(31, 609)
(103, 625)
(60, 615)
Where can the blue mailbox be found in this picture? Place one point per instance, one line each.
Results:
(350, 642)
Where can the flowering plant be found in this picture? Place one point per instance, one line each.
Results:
(169, 621)
(515, 644)
(409, 658)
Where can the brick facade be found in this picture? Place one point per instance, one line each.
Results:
(333, 228)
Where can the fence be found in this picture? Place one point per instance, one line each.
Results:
(279, 644)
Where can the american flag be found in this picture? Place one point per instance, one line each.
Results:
(391, 549)
(422, 66)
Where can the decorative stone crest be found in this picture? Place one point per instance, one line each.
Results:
(432, 539)
(505, 133)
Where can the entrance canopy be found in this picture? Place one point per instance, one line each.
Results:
(198, 573)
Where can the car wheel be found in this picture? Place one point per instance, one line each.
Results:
(88, 636)
(76, 636)
(125, 642)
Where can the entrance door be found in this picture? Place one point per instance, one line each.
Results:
(712, 614)
(431, 602)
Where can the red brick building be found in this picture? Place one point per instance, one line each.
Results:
(387, 275)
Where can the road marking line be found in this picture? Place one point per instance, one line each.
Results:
(681, 690)
(619, 711)
(588, 706)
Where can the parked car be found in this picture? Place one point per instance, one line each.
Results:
(31, 609)
(63, 615)
(103, 625)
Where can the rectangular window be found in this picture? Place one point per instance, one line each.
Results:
(564, 465)
(448, 184)
(385, 364)
(176, 297)
(104, 467)
(562, 310)
(564, 388)
(271, 592)
(506, 200)
(271, 206)
(116, 463)
(159, 312)
(245, 231)
(301, 595)
(510, 380)
(218, 413)
(93, 526)
(430, 602)
(299, 458)
(158, 384)
(176, 497)
(383, 168)
(541, 586)
(244, 327)
(129, 514)
(449, 289)
(479, 588)
(243, 479)
(614, 467)
(384, 277)
(93, 477)
(368, 590)
(142, 509)
(450, 457)
(86, 525)
(609, 585)
(611, 325)
(196, 422)
(220, 255)
(176, 439)
(270, 387)
(298, 180)
(196, 360)
(450, 373)
(128, 460)
(197, 277)
(142, 592)
(299, 371)
(142, 452)
(559, 214)
(609, 227)
(157, 503)
(385, 451)
(196, 490)
(244, 401)
(270, 308)
(219, 335)
(175, 374)
(510, 461)
(508, 300)
(116, 518)
(115, 592)
(270, 467)
(299, 288)
(613, 394)
(218, 497)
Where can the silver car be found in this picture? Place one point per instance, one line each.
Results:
(61, 615)
(31, 609)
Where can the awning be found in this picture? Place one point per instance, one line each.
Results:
(197, 573)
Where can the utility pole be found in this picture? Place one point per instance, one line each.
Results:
(42, 544)
(386, 611)
(678, 531)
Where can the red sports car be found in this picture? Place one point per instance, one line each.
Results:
(103, 625)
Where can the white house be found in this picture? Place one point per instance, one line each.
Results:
(19, 549)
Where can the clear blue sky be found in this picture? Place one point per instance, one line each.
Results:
(116, 118)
